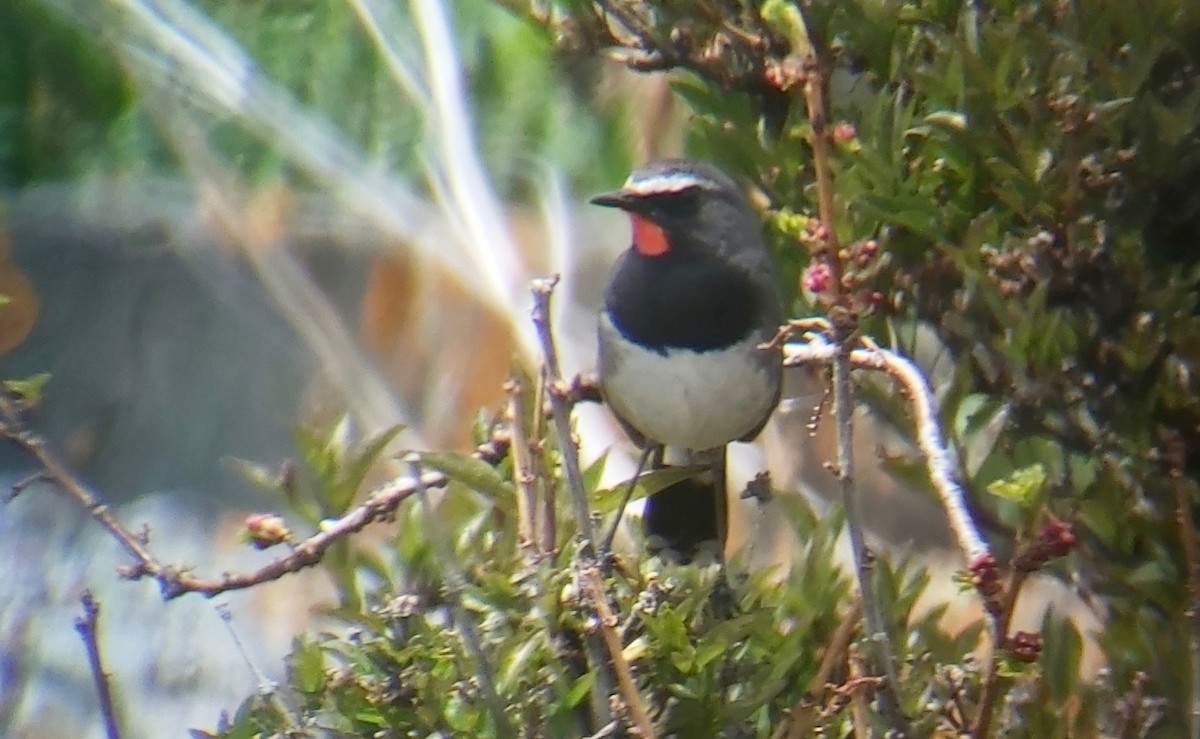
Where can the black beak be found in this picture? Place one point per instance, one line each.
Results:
(614, 199)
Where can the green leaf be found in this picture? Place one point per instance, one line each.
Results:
(606, 501)
(474, 473)
(786, 19)
(308, 667)
(579, 690)
(355, 472)
(30, 389)
(1023, 487)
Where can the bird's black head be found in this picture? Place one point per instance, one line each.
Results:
(679, 206)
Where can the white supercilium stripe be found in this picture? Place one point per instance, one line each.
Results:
(663, 183)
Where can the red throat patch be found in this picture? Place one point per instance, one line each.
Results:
(649, 239)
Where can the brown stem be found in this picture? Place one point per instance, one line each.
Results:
(548, 516)
(818, 116)
(835, 651)
(524, 474)
(1191, 554)
(560, 409)
(859, 711)
(843, 324)
(86, 626)
(594, 586)
(558, 393)
(380, 505)
(1001, 620)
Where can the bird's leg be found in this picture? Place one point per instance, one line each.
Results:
(607, 542)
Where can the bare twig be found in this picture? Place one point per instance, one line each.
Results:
(173, 581)
(835, 651)
(818, 117)
(548, 514)
(524, 474)
(558, 393)
(844, 325)
(990, 691)
(86, 626)
(557, 390)
(859, 711)
(799, 724)
(456, 588)
(938, 459)
(594, 585)
(1191, 555)
(22, 485)
(864, 568)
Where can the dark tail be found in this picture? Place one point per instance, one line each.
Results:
(691, 516)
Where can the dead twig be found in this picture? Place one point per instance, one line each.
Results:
(594, 586)
(379, 505)
(585, 559)
(843, 321)
(86, 625)
(990, 691)
(1191, 554)
(524, 474)
(558, 393)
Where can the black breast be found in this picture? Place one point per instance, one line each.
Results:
(682, 301)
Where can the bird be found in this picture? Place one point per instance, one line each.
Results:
(687, 310)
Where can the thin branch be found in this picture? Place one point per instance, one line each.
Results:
(844, 326)
(818, 116)
(606, 544)
(22, 485)
(594, 585)
(1191, 555)
(835, 651)
(456, 583)
(380, 505)
(524, 474)
(559, 396)
(991, 678)
(86, 626)
(558, 391)
(864, 568)
(548, 515)
(938, 459)
(859, 712)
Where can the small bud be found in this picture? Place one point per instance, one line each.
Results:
(1025, 646)
(817, 278)
(844, 132)
(985, 576)
(1058, 538)
(870, 248)
(263, 530)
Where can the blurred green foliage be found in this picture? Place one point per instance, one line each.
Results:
(67, 108)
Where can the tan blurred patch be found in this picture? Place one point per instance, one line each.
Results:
(434, 341)
(18, 317)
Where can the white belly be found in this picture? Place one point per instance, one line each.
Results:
(688, 399)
